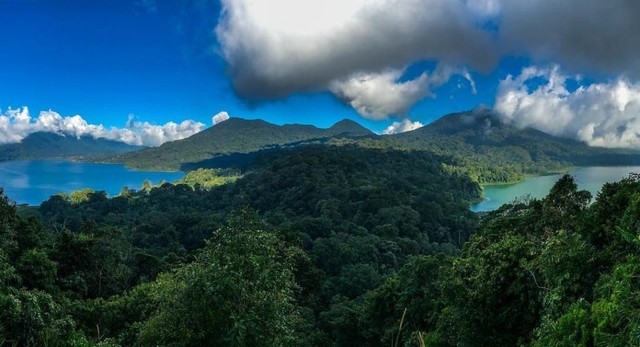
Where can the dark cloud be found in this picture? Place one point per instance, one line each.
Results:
(591, 35)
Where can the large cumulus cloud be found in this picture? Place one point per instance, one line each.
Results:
(600, 114)
(275, 48)
(16, 124)
(357, 48)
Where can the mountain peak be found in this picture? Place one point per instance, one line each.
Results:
(474, 118)
(349, 127)
(232, 137)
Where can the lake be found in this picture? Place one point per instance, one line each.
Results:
(33, 181)
(588, 178)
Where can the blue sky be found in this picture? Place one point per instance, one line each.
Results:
(317, 62)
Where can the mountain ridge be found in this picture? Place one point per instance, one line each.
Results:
(493, 151)
(49, 145)
(483, 146)
(234, 136)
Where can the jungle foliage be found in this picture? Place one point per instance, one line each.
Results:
(323, 246)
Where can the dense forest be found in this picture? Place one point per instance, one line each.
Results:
(323, 246)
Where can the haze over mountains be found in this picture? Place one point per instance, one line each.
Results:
(47, 145)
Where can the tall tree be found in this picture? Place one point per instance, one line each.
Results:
(239, 291)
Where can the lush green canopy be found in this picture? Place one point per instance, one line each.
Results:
(325, 246)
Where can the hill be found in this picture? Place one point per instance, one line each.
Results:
(45, 145)
(481, 145)
(234, 136)
(492, 151)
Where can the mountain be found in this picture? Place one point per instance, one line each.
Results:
(479, 142)
(347, 128)
(45, 145)
(234, 136)
(493, 151)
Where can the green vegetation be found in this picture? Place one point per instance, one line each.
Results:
(238, 291)
(337, 222)
(493, 152)
(54, 146)
(323, 246)
(232, 137)
(480, 145)
(550, 272)
(209, 178)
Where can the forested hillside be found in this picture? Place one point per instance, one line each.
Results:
(550, 272)
(43, 145)
(343, 219)
(323, 246)
(480, 144)
(233, 136)
(491, 151)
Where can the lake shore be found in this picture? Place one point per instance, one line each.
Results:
(34, 181)
(589, 178)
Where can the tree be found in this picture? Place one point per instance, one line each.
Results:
(616, 312)
(238, 292)
(37, 270)
(563, 207)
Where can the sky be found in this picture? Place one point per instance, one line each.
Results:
(146, 72)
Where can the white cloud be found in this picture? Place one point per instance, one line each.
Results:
(378, 95)
(147, 134)
(401, 127)
(16, 124)
(219, 117)
(149, 5)
(600, 114)
(275, 48)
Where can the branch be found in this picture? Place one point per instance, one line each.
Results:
(536, 280)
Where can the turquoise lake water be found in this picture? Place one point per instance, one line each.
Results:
(33, 181)
(588, 178)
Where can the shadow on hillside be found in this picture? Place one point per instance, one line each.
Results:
(232, 160)
(242, 161)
